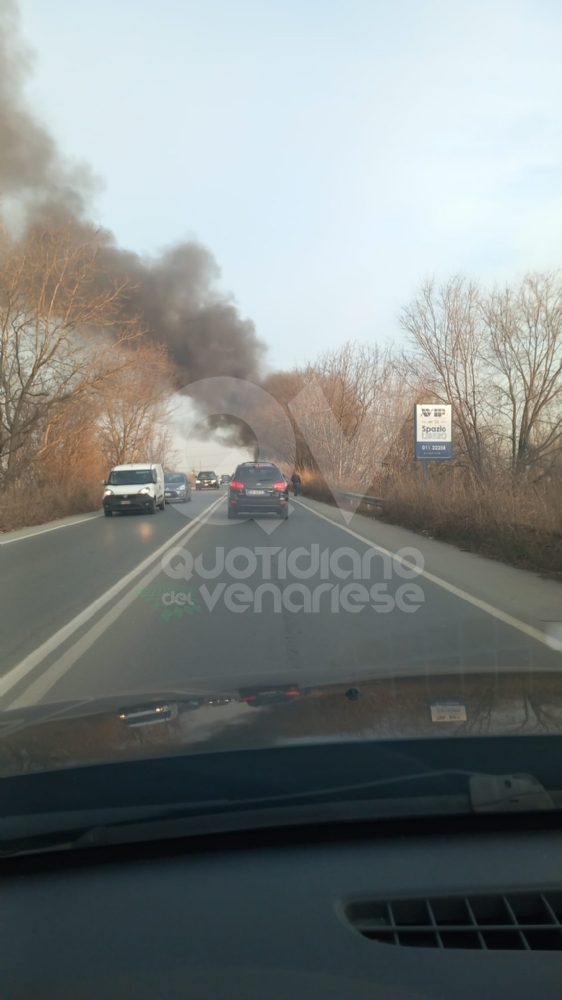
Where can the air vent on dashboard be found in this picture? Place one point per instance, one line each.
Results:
(524, 921)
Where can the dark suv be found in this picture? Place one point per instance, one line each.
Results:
(206, 481)
(258, 488)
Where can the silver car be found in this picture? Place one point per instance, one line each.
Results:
(177, 488)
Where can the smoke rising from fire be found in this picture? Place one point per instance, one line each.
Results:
(175, 292)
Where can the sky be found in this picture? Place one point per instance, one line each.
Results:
(330, 153)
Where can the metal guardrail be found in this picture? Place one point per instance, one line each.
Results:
(372, 501)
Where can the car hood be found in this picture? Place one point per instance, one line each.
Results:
(125, 727)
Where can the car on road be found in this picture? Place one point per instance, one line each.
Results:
(207, 481)
(138, 486)
(258, 488)
(225, 480)
(176, 487)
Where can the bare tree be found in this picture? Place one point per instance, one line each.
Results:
(60, 327)
(346, 408)
(134, 405)
(447, 329)
(283, 442)
(525, 353)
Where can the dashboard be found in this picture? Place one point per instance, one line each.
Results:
(268, 917)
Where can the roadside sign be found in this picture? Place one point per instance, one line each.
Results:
(433, 431)
(448, 710)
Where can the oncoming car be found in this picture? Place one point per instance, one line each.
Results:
(136, 487)
(176, 487)
(207, 481)
(258, 488)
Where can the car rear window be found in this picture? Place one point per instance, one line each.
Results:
(259, 474)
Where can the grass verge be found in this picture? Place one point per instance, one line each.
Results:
(518, 525)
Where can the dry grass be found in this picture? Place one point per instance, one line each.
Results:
(25, 506)
(521, 525)
(315, 487)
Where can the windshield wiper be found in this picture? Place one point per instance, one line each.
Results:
(476, 793)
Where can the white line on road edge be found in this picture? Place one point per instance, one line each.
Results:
(502, 616)
(43, 531)
(20, 671)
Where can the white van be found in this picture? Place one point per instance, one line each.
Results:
(134, 487)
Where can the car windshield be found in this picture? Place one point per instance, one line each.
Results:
(130, 477)
(319, 245)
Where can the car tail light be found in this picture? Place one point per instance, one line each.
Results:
(280, 486)
(235, 485)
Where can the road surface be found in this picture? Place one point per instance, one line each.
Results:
(88, 609)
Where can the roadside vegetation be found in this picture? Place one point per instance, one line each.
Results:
(85, 384)
(516, 526)
(496, 357)
(81, 386)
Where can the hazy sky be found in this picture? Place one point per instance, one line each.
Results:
(330, 153)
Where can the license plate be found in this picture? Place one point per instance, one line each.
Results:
(125, 501)
(168, 494)
(255, 493)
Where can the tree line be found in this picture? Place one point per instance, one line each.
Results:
(83, 387)
(495, 356)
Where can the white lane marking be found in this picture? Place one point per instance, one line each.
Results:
(502, 616)
(21, 670)
(43, 531)
(38, 688)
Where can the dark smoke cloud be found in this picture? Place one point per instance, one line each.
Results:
(175, 292)
(32, 169)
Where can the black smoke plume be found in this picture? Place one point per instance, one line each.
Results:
(174, 292)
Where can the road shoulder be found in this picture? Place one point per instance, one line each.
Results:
(518, 592)
(40, 529)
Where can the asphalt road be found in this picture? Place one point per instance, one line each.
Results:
(88, 610)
